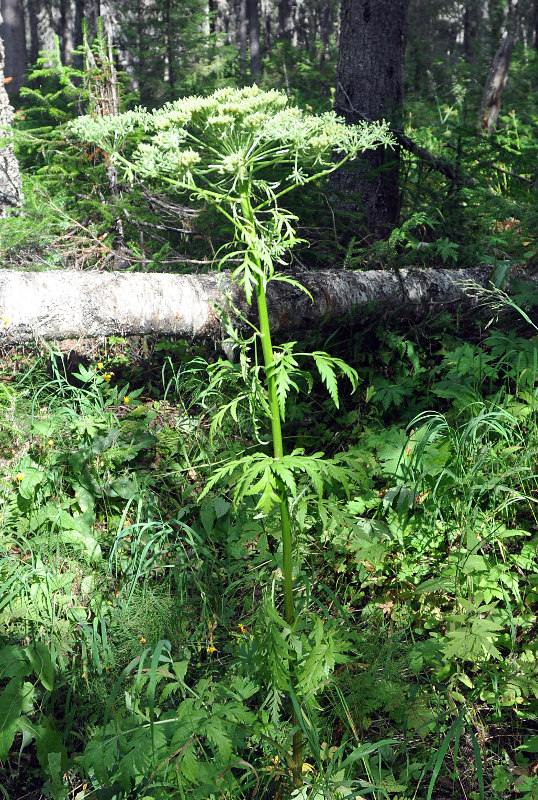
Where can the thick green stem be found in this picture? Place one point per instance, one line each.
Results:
(278, 452)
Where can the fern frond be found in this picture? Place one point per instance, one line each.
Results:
(327, 366)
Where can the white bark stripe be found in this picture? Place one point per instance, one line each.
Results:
(64, 304)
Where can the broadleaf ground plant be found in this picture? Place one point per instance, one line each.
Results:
(241, 151)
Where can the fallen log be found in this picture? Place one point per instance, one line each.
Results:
(65, 304)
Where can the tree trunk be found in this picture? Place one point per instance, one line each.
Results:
(490, 106)
(63, 304)
(254, 39)
(13, 34)
(536, 25)
(34, 31)
(242, 30)
(211, 10)
(285, 24)
(10, 179)
(267, 26)
(471, 29)
(370, 85)
(67, 42)
(92, 10)
(170, 50)
(325, 28)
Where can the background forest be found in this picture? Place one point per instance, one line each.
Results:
(287, 559)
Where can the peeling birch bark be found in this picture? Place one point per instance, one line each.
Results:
(64, 304)
(490, 107)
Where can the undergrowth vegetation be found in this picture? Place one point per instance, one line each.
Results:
(143, 645)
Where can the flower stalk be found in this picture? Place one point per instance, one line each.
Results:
(278, 452)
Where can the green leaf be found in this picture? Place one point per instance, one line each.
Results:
(49, 743)
(207, 515)
(41, 661)
(13, 701)
(221, 507)
(282, 370)
(13, 662)
(32, 478)
(500, 274)
(391, 394)
(327, 366)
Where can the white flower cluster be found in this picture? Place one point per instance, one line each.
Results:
(230, 137)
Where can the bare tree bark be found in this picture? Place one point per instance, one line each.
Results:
(254, 38)
(67, 41)
(324, 28)
(536, 24)
(370, 85)
(242, 30)
(267, 26)
(12, 31)
(34, 32)
(10, 178)
(284, 19)
(170, 49)
(92, 10)
(62, 304)
(79, 16)
(490, 106)
(471, 29)
(211, 10)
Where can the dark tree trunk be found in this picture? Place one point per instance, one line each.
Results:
(77, 29)
(34, 32)
(211, 10)
(170, 49)
(303, 33)
(536, 24)
(495, 83)
(10, 179)
(267, 28)
(285, 24)
(471, 29)
(324, 28)
(143, 87)
(12, 32)
(254, 39)
(242, 31)
(92, 10)
(370, 86)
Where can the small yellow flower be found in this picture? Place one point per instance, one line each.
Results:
(142, 640)
(107, 376)
(6, 320)
(100, 365)
(126, 399)
(19, 476)
(50, 443)
(211, 649)
(242, 628)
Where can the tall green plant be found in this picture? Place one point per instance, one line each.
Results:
(242, 151)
